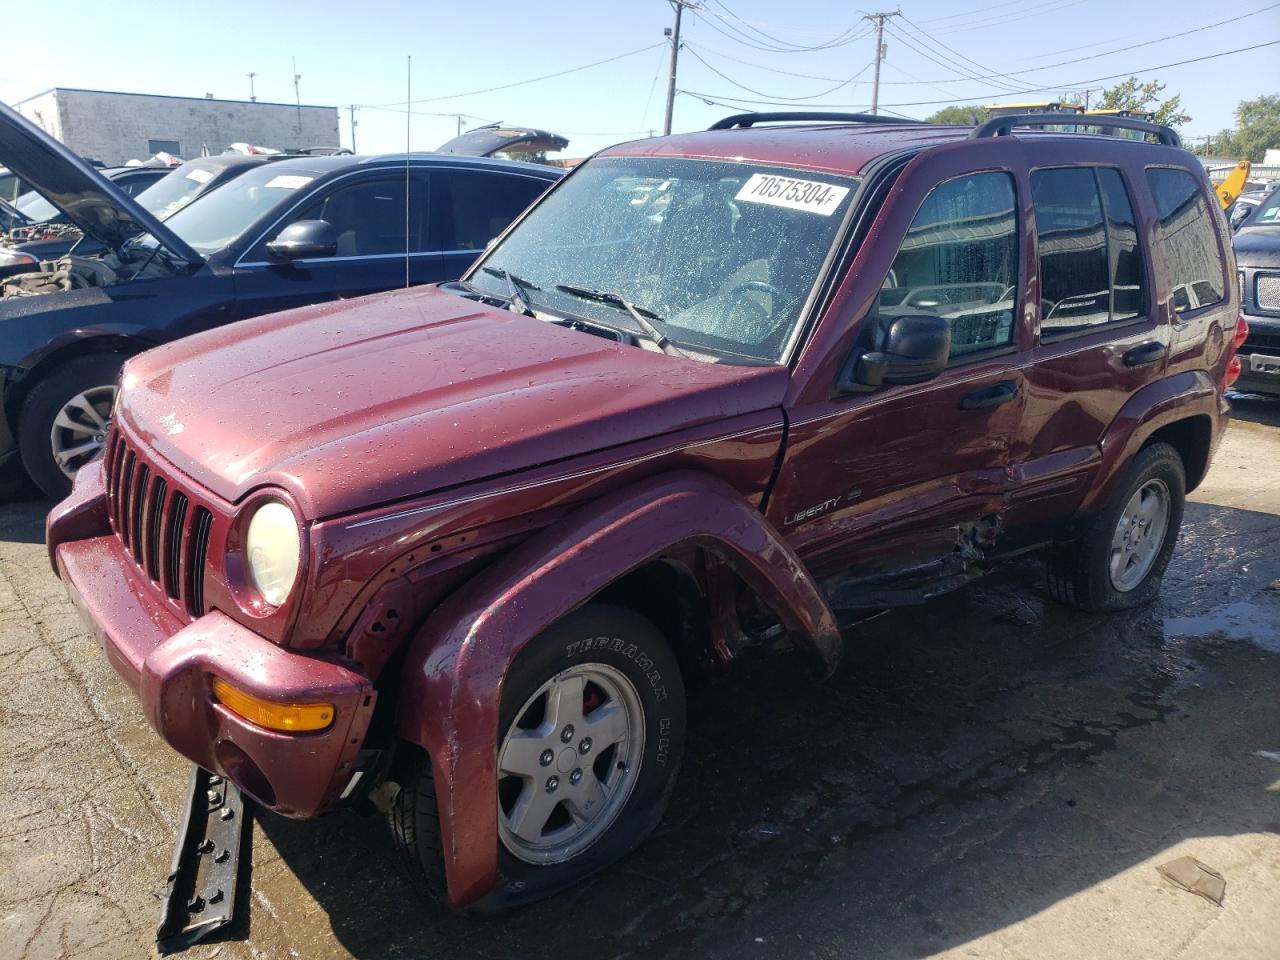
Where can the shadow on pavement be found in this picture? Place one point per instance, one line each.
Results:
(973, 762)
(1256, 409)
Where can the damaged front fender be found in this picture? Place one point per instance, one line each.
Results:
(452, 692)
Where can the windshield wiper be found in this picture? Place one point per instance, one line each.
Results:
(638, 314)
(517, 288)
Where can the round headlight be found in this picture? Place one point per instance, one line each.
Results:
(274, 548)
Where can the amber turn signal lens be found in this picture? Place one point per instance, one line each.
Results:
(287, 717)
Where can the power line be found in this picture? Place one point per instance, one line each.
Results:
(743, 86)
(961, 73)
(938, 43)
(964, 14)
(717, 98)
(1012, 74)
(761, 66)
(838, 40)
(521, 83)
(737, 36)
(1027, 14)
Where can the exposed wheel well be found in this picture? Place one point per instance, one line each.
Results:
(115, 343)
(1191, 438)
(666, 592)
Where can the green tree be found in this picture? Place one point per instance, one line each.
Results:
(1257, 127)
(1145, 98)
(960, 115)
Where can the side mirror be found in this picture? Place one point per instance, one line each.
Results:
(916, 349)
(304, 240)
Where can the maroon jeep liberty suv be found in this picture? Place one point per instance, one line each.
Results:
(457, 550)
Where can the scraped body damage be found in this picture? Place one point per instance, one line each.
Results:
(453, 678)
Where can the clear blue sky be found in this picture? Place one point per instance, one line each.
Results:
(355, 53)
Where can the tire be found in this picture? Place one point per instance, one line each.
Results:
(627, 669)
(1094, 573)
(90, 380)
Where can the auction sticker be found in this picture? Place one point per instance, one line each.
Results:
(200, 176)
(807, 195)
(289, 182)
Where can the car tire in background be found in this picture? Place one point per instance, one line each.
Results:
(1121, 555)
(569, 803)
(63, 421)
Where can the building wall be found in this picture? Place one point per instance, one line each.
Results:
(116, 127)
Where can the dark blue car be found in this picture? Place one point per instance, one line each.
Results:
(284, 234)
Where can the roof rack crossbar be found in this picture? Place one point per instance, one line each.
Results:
(750, 119)
(1003, 126)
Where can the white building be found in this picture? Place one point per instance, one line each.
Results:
(117, 127)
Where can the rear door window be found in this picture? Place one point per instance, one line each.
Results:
(959, 260)
(1091, 265)
(473, 207)
(1188, 238)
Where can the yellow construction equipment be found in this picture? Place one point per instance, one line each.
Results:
(1233, 185)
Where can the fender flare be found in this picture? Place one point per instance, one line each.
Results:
(1177, 397)
(451, 692)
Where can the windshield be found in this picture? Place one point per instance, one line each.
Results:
(175, 190)
(229, 211)
(722, 256)
(1268, 211)
(36, 208)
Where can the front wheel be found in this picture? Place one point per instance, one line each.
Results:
(1122, 554)
(65, 418)
(591, 734)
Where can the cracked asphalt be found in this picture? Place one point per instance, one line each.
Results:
(987, 776)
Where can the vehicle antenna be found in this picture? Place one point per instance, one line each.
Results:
(408, 119)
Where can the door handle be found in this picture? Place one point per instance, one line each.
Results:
(1148, 352)
(992, 396)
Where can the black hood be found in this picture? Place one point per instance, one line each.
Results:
(89, 200)
(486, 141)
(1257, 246)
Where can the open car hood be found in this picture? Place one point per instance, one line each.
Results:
(494, 138)
(89, 200)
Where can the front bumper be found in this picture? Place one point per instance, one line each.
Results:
(1260, 357)
(170, 665)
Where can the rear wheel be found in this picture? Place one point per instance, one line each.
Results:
(591, 735)
(1122, 554)
(64, 421)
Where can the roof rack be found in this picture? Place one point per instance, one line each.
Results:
(750, 119)
(1003, 126)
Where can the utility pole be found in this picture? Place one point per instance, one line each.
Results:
(353, 128)
(674, 34)
(879, 19)
(297, 93)
(252, 97)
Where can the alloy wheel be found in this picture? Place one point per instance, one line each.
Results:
(80, 429)
(568, 763)
(1139, 535)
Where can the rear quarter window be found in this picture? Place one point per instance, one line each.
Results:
(1188, 237)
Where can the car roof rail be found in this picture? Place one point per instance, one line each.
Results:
(750, 119)
(1003, 126)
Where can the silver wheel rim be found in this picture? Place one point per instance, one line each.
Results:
(80, 429)
(1139, 535)
(568, 763)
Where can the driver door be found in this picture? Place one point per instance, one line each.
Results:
(368, 213)
(898, 475)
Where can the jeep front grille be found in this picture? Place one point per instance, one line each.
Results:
(1267, 291)
(161, 533)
